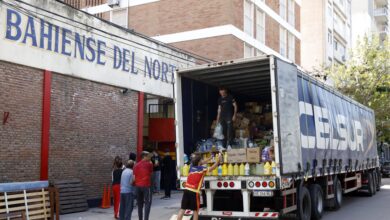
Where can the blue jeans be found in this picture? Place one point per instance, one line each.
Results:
(156, 180)
(126, 207)
(144, 196)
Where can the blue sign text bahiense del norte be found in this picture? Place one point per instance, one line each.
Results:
(50, 37)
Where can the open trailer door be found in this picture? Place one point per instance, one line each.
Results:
(286, 116)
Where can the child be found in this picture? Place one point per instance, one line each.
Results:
(194, 182)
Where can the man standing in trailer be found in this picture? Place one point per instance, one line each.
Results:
(227, 110)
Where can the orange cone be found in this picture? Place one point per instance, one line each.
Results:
(104, 199)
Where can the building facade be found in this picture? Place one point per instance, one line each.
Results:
(326, 32)
(218, 29)
(370, 17)
(72, 92)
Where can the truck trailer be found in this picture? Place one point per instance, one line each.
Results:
(324, 141)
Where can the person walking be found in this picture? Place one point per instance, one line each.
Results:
(142, 180)
(167, 175)
(116, 181)
(127, 194)
(156, 177)
(190, 200)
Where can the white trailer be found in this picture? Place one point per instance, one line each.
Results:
(324, 141)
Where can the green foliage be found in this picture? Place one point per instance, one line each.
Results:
(366, 78)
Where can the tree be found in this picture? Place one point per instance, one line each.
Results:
(365, 77)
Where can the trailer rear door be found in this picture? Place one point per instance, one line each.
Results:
(286, 127)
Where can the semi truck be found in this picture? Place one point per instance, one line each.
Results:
(324, 141)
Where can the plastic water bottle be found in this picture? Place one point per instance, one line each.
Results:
(230, 170)
(267, 169)
(247, 169)
(224, 170)
(236, 170)
(219, 170)
(186, 170)
(242, 169)
(273, 167)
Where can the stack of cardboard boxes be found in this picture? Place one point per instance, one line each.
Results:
(252, 122)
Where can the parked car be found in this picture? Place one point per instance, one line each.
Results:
(385, 169)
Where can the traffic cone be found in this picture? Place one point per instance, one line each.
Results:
(104, 199)
(108, 196)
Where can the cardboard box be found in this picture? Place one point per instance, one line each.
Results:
(236, 155)
(245, 122)
(268, 119)
(253, 155)
(244, 133)
(250, 104)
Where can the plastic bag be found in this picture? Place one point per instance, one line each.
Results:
(218, 132)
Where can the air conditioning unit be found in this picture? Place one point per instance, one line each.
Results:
(343, 58)
(113, 3)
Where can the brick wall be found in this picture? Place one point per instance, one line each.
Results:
(273, 4)
(272, 37)
(297, 51)
(215, 48)
(91, 123)
(297, 17)
(161, 17)
(20, 137)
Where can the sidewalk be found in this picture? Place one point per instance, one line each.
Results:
(161, 210)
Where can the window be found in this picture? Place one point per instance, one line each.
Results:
(336, 45)
(119, 17)
(329, 14)
(291, 12)
(260, 26)
(282, 9)
(330, 38)
(283, 41)
(291, 47)
(248, 18)
(248, 51)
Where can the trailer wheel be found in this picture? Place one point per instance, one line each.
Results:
(379, 182)
(371, 186)
(317, 201)
(338, 194)
(304, 204)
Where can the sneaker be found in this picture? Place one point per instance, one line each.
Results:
(166, 198)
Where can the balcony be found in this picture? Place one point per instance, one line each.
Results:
(380, 2)
(340, 5)
(383, 32)
(380, 14)
(339, 56)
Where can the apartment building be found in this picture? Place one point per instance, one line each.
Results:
(326, 32)
(370, 17)
(216, 29)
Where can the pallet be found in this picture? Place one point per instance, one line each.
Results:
(26, 205)
(72, 197)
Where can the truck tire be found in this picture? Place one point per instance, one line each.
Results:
(304, 204)
(370, 184)
(375, 180)
(338, 194)
(379, 180)
(317, 201)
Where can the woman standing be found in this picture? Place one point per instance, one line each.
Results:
(116, 184)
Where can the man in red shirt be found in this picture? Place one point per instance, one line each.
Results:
(143, 172)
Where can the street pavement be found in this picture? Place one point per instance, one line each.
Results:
(355, 207)
(360, 207)
(161, 210)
